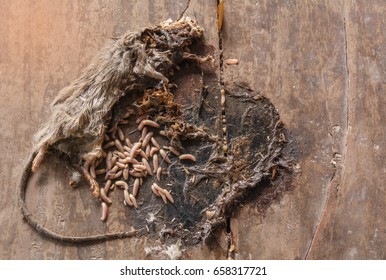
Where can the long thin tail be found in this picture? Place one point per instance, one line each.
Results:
(28, 169)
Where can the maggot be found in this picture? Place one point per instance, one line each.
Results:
(222, 97)
(113, 169)
(147, 123)
(119, 146)
(111, 172)
(134, 149)
(105, 211)
(160, 192)
(146, 164)
(113, 133)
(174, 150)
(133, 161)
(126, 195)
(163, 196)
(122, 184)
(153, 150)
(104, 196)
(154, 142)
(136, 186)
(116, 175)
(107, 186)
(157, 187)
(125, 173)
(232, 61)
(133, 200)
(120, 134)
(159, 172)
(139, 167)
(125, 160)
(163, 133)
(108, 160)
(168, 195)
(148, 149)
(119, 154)
(111, 163)
(100, 171)
(164, 193)
(146, 139)
(164, 155)
(136, 174)
(187, 157)
(155, 163)
(140, 118)
(142, 154)
(143, 133)
(108, 145)
(121, 165)
(155, 191)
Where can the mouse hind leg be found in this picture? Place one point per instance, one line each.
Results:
(90, 159)
(37, 161)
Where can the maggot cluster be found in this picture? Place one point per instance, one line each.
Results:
(127, 161)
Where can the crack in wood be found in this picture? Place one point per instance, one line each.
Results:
(184, 11)
(220, 47)
(337, 159)
(223, 119)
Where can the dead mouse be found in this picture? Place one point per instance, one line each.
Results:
(135, 61)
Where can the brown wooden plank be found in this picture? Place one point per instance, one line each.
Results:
(295, 54)
(45, 45)
(292, 52)
(354, 226)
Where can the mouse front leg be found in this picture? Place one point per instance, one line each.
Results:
(94, 186)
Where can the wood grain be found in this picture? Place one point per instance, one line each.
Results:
(354, 225)
(319, 62)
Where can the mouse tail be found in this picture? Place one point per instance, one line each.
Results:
(42, 230)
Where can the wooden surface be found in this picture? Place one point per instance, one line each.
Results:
(321, 63)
